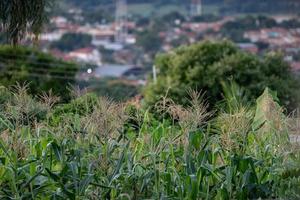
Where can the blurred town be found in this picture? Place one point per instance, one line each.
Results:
(116, 44)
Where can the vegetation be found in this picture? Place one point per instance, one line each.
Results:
(148, 7)
(235, 30)
(98, 16)
(206, 65)
(149, 40)
(72, 41)
(206, 18)
(95, 149)
(257, 6)
(115, 89)
(41, 71)
(18, 17)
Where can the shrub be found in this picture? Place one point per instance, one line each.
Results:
(237, 153)
(40, 70)
(205, 66)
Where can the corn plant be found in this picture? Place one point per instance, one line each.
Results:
(93, 148)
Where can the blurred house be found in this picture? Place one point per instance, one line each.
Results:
(86, 55)
(295, 66)
(52, 36)
(103, 38)
(119, 71)
(249, 47)
(276, 37)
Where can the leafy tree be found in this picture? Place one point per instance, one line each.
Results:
(205, 66)
(234, 30)
(292, 23)
(259, 6)
(143, 21)
(17, 17)
(149, 41)
(72, 41)
(98, 16)
(206, 18)
(41, 71)
(172, 16)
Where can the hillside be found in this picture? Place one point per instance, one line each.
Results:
(223, 6)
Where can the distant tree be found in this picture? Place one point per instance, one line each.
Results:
(259, 6)
(206, 18)
(72, 41)
(41, 71)
(18, 17)
(172, 16)
(262, 45)
(265, 22)
(234, 30)
(149, 41)
(292, 23)
(98, 16)
(204, 66)
(143, 21)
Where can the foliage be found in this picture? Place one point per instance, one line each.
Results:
(149, 40)
(172, 16)
(19, 17)
(117, 90)
(204, 66)
(98, 16)
(206, 18)
(258, 6)
(40, 70)
(235, 30)
(93, 155)
(72, 41)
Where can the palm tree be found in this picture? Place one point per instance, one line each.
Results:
(18, 17)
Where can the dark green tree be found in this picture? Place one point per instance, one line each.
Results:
(205, 66)
(149, 41)
(41, 71)
(20, 16)
(72, 41)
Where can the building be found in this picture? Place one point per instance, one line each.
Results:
(86, 55)
(118, 71)
(249, 47)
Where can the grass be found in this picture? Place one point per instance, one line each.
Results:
(93, 148)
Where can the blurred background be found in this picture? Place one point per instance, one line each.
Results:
(113, 43)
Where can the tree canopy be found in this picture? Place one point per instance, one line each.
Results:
(72, 41)
(20, 16)
(41, 71)
(205, 66)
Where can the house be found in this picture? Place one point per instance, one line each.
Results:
(118, 71)
(249, 47)
(86, 55)
(295, 66)
(52, 36)
(61, 55)
(102, 38)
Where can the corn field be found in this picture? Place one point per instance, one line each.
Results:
(93, 148)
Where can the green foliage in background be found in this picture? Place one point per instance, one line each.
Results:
(113, 88)
(117, 90)
(19, 17)
(149, 40)
(41, 71)
(204, 66)
(72, 41)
